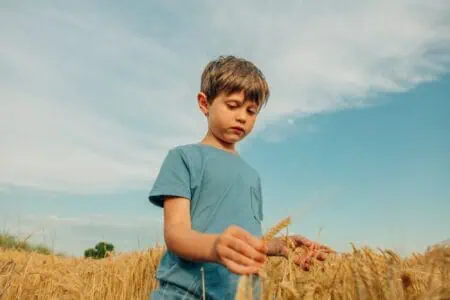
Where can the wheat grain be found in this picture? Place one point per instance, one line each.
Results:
(276, 229)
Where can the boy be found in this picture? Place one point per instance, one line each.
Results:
(211, 197)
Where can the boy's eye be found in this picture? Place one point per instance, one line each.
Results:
(232, 104)
(252, 111)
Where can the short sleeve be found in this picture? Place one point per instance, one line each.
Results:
(173, 178)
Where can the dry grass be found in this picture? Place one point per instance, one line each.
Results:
(362, 274)
(30, 275)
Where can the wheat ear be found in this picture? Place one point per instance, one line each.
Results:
(276, 229)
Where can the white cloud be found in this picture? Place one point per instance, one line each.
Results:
(71, 149)
(92, 98)
(323, 57)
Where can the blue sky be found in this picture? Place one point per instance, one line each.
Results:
(354, 139)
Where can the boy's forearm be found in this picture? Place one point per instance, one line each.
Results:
(190, 244)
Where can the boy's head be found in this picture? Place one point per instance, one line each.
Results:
(232, 92)
(230, 74)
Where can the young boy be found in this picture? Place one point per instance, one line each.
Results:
(212, 198)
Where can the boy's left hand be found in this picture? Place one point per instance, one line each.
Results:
(277, 247)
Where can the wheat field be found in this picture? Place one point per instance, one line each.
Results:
(363, 273)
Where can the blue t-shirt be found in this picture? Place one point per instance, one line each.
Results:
(223, 190)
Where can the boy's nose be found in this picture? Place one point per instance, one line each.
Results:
(241, 118)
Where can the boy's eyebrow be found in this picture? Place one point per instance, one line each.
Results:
(234, 99)
(241, 101)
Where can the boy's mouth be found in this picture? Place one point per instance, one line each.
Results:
(238, 129)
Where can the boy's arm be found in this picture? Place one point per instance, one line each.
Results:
(235, 248)
(179, 236)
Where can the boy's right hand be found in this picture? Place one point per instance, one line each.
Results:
(239, 251)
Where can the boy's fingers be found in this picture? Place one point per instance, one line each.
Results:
(240, 269)
(250, 239)
(284, 251)
(306, 267)
(240, 246)
(304, 262)
(320, 256)
(238, 250)
(301, 241)
(239, 258)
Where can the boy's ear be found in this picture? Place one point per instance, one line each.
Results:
(203, 103)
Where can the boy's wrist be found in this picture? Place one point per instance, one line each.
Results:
(210, 242)
(213, 256)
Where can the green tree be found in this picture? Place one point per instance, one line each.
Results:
(100, 250)
(90, 253)
(103, 248)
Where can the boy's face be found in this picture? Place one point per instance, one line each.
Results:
(230, 117)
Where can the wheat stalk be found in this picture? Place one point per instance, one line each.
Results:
(243, 285)
(362, 274)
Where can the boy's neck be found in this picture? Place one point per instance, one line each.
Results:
(211, 140)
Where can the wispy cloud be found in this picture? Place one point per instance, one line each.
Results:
(124, 232)
(92, 98)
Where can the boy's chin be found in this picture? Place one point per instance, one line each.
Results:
(232, 139)
(237, 140)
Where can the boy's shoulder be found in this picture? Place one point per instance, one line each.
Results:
(187, 151)
(197, 153)
(185, 148)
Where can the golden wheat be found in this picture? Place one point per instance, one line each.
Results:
(243, 287)
(29, 275)
(276, 229)
(361, 274)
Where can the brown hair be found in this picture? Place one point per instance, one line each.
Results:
(230, 74)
